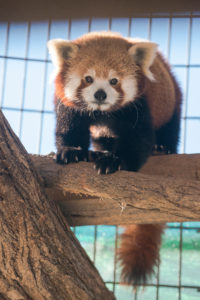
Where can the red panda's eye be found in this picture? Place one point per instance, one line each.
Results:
(113, 81)
(89, 79)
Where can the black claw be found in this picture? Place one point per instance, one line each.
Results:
(161, 149)
(71, 154)
(65, 160)
(107, 163)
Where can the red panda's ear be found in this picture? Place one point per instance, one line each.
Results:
(61, 50)
(143, 54)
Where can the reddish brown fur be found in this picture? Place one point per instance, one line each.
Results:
(119, 103)
(161, 94)
(139, 252)
(60, 86)
(178, 93)
(110, 52)
(141, 81)
(115, 48)
(59, 90)
(116, 58)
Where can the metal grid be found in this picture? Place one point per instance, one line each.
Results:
(26, 100)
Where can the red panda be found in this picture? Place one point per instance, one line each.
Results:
(120, 95)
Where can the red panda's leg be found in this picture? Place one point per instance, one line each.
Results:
(167, 136)
(139, 252)
(72, 134)
(128, 138)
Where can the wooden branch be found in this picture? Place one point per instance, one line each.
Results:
(40, 258)
(167, 189)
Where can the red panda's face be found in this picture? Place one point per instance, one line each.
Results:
(100, 71)
(105, 92)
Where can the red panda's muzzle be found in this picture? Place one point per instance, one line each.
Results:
(100, 96)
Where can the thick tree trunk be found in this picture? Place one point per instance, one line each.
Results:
(40, 258)
(166, 189)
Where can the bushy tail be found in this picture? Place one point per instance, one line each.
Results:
(139, 252)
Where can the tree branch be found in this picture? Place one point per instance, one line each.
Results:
(166, 189)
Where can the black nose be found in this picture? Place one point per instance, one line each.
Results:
(100, 95)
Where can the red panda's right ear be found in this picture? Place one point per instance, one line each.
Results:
(61, 50)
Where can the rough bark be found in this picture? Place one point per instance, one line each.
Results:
(172, 194)
(40, 258)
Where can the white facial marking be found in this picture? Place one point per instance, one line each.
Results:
(129, 87)
(100, 84)
(72, 85)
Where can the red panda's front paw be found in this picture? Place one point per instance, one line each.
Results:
(108, 163)
(71, 154)
(161, 150)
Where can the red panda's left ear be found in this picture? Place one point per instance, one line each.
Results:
(143, 54)
(61, 51)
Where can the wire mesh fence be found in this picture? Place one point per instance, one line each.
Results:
(26, 98)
